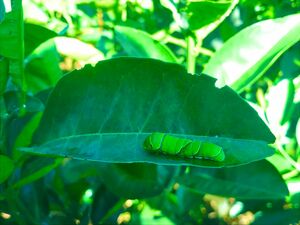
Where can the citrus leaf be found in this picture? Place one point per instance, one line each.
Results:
(106, 112)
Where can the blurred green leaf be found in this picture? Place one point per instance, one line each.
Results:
(294, 185)
(180, 205)
(19, 129)
(280, 99)
(277, 217)
(7, 167)
(151, 216)
(11, 43)
(258, 180)
(298, 132)
(248, 54)
(35, 35)
(35, 168)
(4, 68)
(126, 180)
(32, 105)
(140, 44)
(105, 113)
(2, 11)
(78, 50)
(281, 164)
(290, 62)
(25, 136)
(42, 67)
(200, 13)
(34, 13)
(103, 202)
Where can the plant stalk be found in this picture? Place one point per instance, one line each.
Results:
(191, 57)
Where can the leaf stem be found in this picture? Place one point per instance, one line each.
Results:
(191, 57)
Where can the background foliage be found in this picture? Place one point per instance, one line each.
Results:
(225, 71)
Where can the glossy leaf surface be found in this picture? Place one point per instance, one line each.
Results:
(105, 113)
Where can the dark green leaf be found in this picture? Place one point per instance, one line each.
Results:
(2, 11)
(4, 71)
(126, 180)
(105, 113)
(248, 54)
(280, 217)
(11, 43)
(280, 99)
(35, 35)
(258, 180)
(42, 68)
(36, 168)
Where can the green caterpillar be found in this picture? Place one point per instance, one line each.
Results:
(170, 145)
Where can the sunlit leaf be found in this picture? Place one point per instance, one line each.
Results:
(277, 217)
(280, 102)
(140, 44)
(200, 13)
(247, 55)
(78, 50)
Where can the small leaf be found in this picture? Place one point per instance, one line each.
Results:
(247, 55)
(201, 13)
(140, 44)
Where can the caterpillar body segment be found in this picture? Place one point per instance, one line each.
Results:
(171, 145)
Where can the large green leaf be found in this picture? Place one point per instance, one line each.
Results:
(258, 180)
(248, 54)
(105, 113)
(140, 44)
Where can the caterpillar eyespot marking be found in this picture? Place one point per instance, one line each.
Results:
(171, 145)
